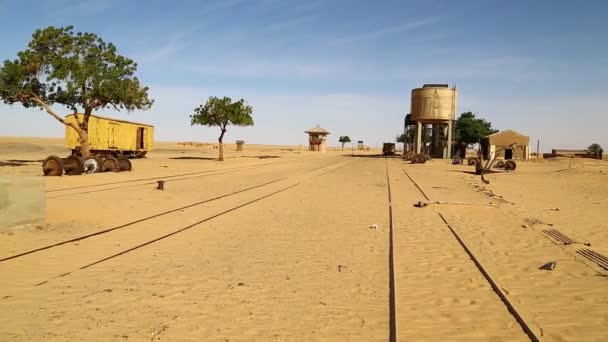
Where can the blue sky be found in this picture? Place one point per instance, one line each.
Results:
(538, 67)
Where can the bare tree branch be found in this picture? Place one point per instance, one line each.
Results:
(53, 114)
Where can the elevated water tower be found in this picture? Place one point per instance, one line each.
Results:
(433, 111)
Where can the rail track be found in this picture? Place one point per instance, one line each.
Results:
(171, 178)
(325, 169)
(391, 263)
(492, 282)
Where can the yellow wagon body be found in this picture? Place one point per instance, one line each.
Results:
(112, 136)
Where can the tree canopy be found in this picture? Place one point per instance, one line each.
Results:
(596, 151)
(344, 139)
(222, 112)
(470, 129)
(77, 70)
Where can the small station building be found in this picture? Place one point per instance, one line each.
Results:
(506, 145)
(317, 139)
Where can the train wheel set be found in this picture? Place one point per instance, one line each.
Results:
(75, 165)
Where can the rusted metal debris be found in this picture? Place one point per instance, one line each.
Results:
(533, 221)
(559, 236)
(594, 256)
(550, 266)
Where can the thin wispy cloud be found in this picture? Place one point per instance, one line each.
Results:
(83, 7)
(171, 47)
(305, 6)
(285, 24)
(211, 7)
(401, 28)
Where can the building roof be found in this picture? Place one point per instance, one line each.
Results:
(507, 137)
(111, 119)
(316, 130)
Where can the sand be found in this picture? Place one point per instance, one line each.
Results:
(296, 248)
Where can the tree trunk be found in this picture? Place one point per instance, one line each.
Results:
(85, 146)
(342, 146)
(221, 145)
(82, 130)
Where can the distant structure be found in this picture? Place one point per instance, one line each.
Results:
(432, 115)
(507, 145)
(239, 145)
(567, 153)
(317, 139)
(360, 145)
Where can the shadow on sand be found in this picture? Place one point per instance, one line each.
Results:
(197, 158)
(17, 162)
(371, 156)
(488, 172)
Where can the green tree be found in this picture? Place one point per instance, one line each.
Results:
(221, 113)
(78, 71)
(470, 130)
(344, 139)
(596, 151)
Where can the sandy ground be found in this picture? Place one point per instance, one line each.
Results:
(297, 248)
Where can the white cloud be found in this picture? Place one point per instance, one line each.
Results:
(384, 31)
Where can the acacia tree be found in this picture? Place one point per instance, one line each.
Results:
(596, 151)
(344, 139)
(221, 113)
(79, 71)
(470, 130)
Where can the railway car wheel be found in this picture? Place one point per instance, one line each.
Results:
(124, 164)
(510, 165)
(110, 164)
(92, 164)
(499, 164)
(457, 161)
(52, 166)
(472, 161)
(73, 165)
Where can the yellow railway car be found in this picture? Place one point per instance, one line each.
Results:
(109, 136)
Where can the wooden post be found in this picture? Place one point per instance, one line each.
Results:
(537, 148)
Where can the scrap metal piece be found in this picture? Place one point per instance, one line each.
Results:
(550, 266)
(599, 259)
(559, 236)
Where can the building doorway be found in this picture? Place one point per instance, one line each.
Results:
(509, 154)
(140, 138)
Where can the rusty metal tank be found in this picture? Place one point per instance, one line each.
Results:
(433, 102)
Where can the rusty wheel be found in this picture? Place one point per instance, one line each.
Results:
(110, 164)
(472, 161)
(499, 164)
(92, 164)
(124, 164)
(52, 166)
(510, 165)
(457, 161)
(73, 165)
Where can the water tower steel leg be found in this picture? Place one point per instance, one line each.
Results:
(450, 139)
(418, 136)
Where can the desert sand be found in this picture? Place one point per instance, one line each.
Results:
(281, 244)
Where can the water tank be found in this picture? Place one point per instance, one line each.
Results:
(434, 103)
